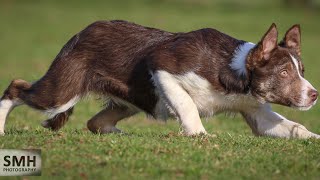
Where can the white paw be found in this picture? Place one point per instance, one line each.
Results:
(195, 132)
(315, 136)
(300, 131)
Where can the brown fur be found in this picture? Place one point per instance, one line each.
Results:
(57, 121)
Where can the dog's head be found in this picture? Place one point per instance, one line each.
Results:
(277, 72)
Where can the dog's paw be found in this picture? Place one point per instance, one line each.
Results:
(316, 136)
(108, 130)
(196, 133)
(2, 133)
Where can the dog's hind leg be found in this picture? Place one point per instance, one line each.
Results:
(58, 121)
(59, 115)
(41, 95)
(105, 121)
(11, 99)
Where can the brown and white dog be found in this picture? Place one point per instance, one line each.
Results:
(202, 72)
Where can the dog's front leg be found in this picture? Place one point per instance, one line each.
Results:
(264, 122)
(179, 102)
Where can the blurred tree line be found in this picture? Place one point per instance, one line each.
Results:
(304, 3)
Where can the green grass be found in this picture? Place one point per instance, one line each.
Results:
(32, 33)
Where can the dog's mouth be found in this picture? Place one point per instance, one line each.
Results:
(303, 107)
(295, 105)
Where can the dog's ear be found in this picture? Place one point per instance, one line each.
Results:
(268, 42)
(292, 39)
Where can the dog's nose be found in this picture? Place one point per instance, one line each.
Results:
(313, 94)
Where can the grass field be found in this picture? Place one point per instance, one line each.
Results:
(32, 33)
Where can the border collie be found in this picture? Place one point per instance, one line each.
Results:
(189, 75)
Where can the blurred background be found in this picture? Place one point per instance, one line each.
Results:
(32, 32)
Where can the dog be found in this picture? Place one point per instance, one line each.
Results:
(188, 75)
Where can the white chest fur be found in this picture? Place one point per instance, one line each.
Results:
(208, 100)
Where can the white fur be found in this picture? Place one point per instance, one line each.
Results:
(179, 101)
(305, 88)
(6, 106)
(209, 101)
(239, 60)
(269, 123)
(54, 111)
(189, 93)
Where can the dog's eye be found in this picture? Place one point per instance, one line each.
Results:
(284, 73)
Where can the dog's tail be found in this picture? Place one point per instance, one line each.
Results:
(55, 93)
